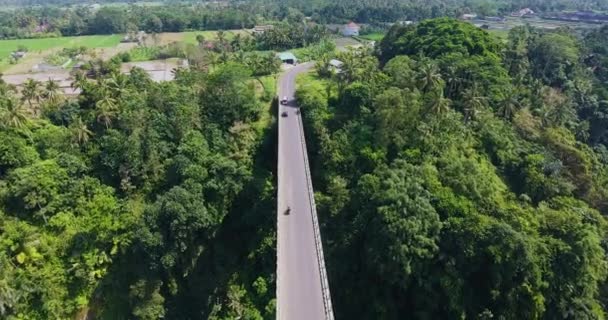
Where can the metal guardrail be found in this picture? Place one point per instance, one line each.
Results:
(329, 313)
(278, 306)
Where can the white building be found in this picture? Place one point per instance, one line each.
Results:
(351, 29)
(261, 29)
(468, 16)
(523, 12)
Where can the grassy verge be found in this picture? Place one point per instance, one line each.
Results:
(311, 79)
(270, 85)
(265, 87)
(266, 95)
(315, 51)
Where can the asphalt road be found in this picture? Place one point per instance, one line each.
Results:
(299, 293)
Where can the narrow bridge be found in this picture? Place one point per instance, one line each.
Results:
(302, 285)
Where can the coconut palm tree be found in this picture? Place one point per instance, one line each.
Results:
(80, 132)
(561, 115)
(509, 106)
(31, 92)
(323, 67)
(116, 84)
(223, 57)
(200, 39)
(106, 110)
(237, 42)
(221, 36)
(348, 71)
(272, 63)
(12, 114)
(222, 42)
(80, 81)
(51, 91)
(428, 76)
(437, 104)
(473, 103)
(5, 88)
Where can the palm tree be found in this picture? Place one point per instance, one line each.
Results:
(221, 40)
(31, 92)
(581, 93)
(80, 132)
(116, 84)
(5, 88)
(451, 79)
(438, 104)
(237, 42)
(80, 81)
(272, 63)
(509, 106)
(106, 110)
(428, 76)
(208, 59)
(472, 103)
(51, 91)
(12, 114)
(200, 39)
(537, 92)
(348, 71)
(224, 57)
(221, 36)
(256, 63)
(561, 115)
(323, 67)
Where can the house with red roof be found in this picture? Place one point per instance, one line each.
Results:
(351, 29)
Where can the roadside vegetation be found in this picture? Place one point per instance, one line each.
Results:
(114, 204)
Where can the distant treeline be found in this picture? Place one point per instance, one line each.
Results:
(25, 3)
(26, 23)
(55, 20)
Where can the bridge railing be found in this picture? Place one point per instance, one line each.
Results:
(329, 313)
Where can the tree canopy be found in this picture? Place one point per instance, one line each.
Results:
(114, 204)
(460, 177)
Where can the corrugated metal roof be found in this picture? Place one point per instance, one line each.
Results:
(336, 63)
(287, 56)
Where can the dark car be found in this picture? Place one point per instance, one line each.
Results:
(284, 114)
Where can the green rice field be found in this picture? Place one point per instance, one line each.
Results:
(376, 36)
(35, 45)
